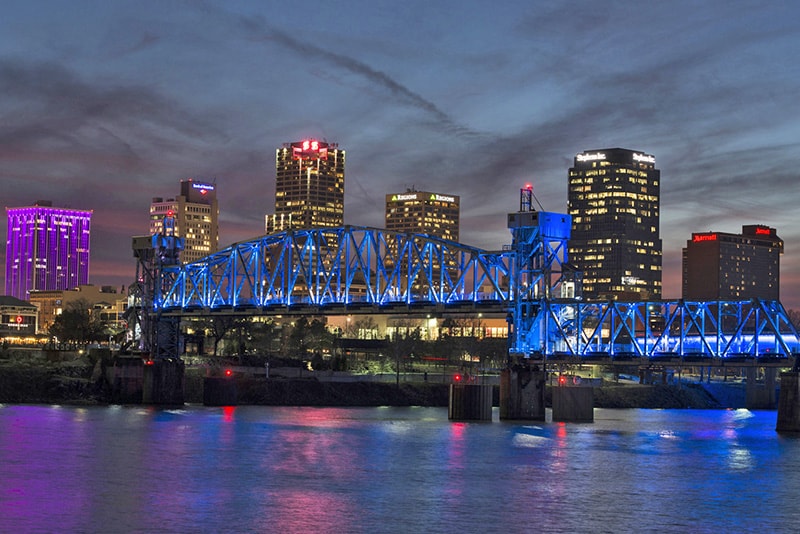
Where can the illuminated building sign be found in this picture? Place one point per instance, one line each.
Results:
(644, 158)
(310, 149)
(698, 238)
(203, 187)
(762, 231)
(597, 156)
(398, 198)
(442, 198)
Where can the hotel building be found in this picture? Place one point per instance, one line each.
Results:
(47, 248)
(196, 216)
(613, 198)
(309, 186)
(723, 266)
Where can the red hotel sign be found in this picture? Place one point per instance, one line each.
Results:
(697, 238)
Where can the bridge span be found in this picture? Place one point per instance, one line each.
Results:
(363, 270)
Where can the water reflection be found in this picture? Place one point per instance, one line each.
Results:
(264, 469)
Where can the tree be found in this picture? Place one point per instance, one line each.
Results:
(309, 336)
(404, 342)
(78, 324)
(218, 327)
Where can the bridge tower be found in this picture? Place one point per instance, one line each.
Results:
(541, 273)
(159, 335)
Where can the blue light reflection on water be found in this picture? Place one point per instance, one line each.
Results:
(262, 469)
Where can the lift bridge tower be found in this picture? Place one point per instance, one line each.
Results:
(158, 337)
(541, 274)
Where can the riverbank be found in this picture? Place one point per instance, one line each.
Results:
(80, 381)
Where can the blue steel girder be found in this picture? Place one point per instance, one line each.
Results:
(716, 329)
(341, 266)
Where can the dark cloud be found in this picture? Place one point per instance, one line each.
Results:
(472, 102)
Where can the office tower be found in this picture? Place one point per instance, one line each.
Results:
(722, 266)
(309, 186)
(423, 212)
(46, 248)
(613, 198)
(196, 216)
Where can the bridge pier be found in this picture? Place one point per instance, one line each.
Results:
(573, 404)
(789, 403)
(220, 391)
(163, 381)
(470, 402)
(522, 389)
(760, 396)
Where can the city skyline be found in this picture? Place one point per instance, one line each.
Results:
(108, 105)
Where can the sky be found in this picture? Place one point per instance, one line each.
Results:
(105, 105)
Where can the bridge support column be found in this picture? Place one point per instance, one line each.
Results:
(760, 396)
(126, 380)
(163, 381)
(573, 404)
(470, 402)
(522, 390)
(789, 403)
(220, 391)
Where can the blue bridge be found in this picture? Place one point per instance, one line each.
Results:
(356, 269)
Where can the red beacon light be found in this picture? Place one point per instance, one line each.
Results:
(458, 378)
(149, 362)
(228, 373)
(562, 380)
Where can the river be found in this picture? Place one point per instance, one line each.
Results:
(278, 469)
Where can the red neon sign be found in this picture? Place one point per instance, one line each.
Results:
(762, 231)
(697, 238)
(310, 149)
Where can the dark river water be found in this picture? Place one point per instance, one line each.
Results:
(270, 469)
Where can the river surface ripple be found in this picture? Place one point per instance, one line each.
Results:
(278, 469)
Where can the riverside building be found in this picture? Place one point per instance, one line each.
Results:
(725, 266)
(309, 186)
(47, 248)
(196, 216)
(613, 199)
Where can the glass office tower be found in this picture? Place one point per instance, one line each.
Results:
(613, 198)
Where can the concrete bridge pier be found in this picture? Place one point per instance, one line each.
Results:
(163, 381)
(220, 391)
(470, 402)
(760, 396)
(573, 404)
(789, 403)
(522, 388)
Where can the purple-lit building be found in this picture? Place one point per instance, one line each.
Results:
(47, 249)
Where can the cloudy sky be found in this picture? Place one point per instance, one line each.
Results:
(104, 105)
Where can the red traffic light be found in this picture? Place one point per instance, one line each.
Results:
(457, 378)
(562, 380)
(228, 373)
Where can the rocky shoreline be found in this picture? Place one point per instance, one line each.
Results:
(80, 382)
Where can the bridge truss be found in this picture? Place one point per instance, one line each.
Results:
(339, 267)
(349, 269)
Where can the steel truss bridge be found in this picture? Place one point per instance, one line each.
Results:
(360, 269)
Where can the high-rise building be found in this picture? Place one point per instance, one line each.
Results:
(423, 212)
(723, 266)
(309, 186)
(613, 198)
(46, 248)
(196, 216)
